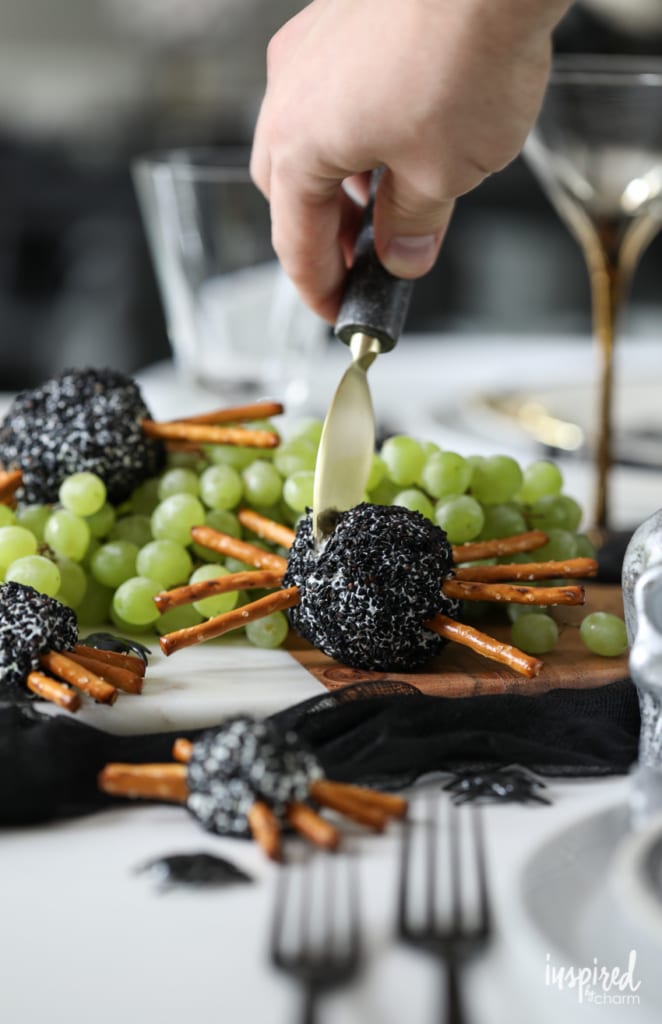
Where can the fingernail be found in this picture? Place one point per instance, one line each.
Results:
(410, 255)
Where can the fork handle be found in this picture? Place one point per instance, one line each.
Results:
(453, 1011)
(309, 1007)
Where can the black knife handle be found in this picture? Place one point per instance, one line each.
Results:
(374, 302)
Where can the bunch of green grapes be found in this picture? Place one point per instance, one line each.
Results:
(108, 562)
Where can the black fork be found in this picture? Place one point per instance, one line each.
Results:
(460, 929)
(315, 935)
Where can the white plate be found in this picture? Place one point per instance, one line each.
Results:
(200, 686)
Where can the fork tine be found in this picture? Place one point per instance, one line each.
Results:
(481, 872)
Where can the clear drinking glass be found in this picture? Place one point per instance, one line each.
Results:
(235, 322)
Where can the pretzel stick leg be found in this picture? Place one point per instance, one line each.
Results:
(266, 528)
(572, 568)
(348, 806)
(49, 689)
(391, 805)
(252, 411)
(239, 549)
(265, 829)
(311, 825)
(190, 592)
(68, 670)
(501, 546)
(182, 750)
(485, 645)
(235, 619)
(203, 433)
(129, 661)
(147, 781)
(10, 481)
(122, 678)
(474, 591)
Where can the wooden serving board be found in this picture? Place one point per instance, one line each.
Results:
(458, 672)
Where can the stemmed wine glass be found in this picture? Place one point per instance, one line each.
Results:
(596, 148)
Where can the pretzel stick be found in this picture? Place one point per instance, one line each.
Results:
(150, 781)
(572, 568)
(500, 546)
(265, 829)
(182, 750)
(10, 481)
(476, 591)
(122, 678)
(130, 661)
(486, 645)
(391, 805)
(265, 528)
(225, 623)
(65, 668)
(252, 411)
(50, 689)
(325, 794)
(249, 580)
(239, 549)
(202, 433)
(311, 825)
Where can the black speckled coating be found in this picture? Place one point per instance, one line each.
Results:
(366, 594)
(244, 761)
(30, 624)
(83, 420)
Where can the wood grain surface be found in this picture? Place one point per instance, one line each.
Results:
(458, 672)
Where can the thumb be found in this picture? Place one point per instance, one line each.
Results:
(409, 226)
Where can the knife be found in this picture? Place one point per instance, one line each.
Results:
(370, 321)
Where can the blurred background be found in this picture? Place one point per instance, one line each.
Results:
(85, 85)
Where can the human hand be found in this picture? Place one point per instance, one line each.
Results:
(439, 92)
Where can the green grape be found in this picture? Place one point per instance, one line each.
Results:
(35, 571)
(82, 493)
(513, 611)
(73, 583)
(445, 473)
(230, 455)
(185, 460)
(223, 521)
(384, 492)
(95, 606)
(502, 521)
(495, 479)
(377, 472)
(540, 479)
(114, 562)
(460, 516)
(8, 518)
(429, 448)
(310, 430)
(535, 634)
(133, 601)
(298, 490)
(34, 518)
(179, 480)
(67, 534)
(165, 561)
(135, 528)
(561, 545)
(15, 542)
(271, 631)
(298, 453)
(145, 497)
(555, 510)
(101, 522)
(174, 518)
(584, 547)
(219, 603)
(604, 633)
(262, 483)
(415, 500)
(221, 487)
(93, 546)
(178, 618)
(404, 458)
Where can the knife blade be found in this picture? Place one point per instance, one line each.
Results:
(371, 317)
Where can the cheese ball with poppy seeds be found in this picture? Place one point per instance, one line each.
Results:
(82, 420)
(365, 595)
(30, 624)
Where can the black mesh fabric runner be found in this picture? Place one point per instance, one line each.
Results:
(379, 733)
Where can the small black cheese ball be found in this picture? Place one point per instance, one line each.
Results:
(244, 761)
(367, 592)
(83, 420)
(30, 624)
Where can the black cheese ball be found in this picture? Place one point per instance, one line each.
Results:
(30, 624)
(374, 582)
(83, 420)
(244, 761)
